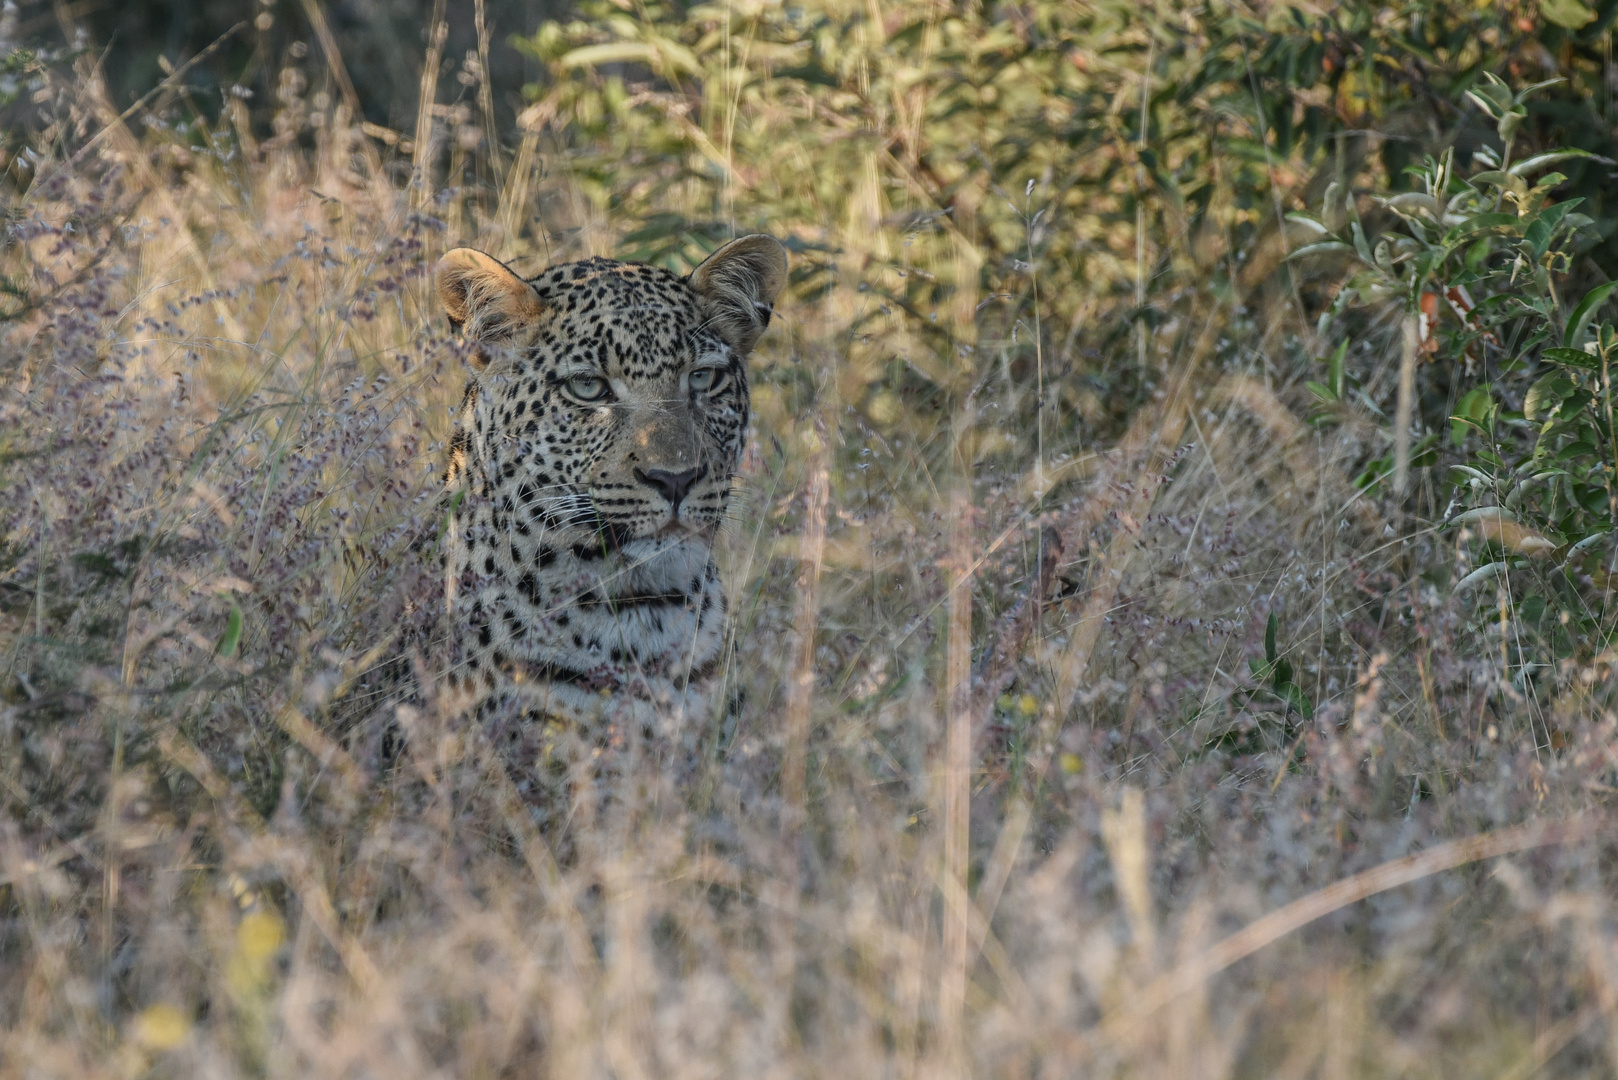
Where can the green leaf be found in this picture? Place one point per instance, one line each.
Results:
(1546, 396)
(1545, 224)
(1554, 214)
(1458, 426)
(1576, 450)
(1293, 695)
(1269, 638)
(233, 633)
(1475, 410)
(613, 52)
(1533, 88)
(1334, 368)
(1582, 314)
(1570, 14)
(1493, 96)
(1549, 181)
(1283, 673)
(1538, 236)
(1508, 224)
(1482, 573)
(1325, 247)
(1574, 358)
(1308, 221)
(1414, 202)
(1374, 472)
(1539, 161)
(1361, 245)
(1505, 181)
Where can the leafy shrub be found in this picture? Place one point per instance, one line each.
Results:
(1473, 269)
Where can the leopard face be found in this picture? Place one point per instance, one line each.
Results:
(592, 464)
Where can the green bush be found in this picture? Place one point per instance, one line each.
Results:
(1474, 267)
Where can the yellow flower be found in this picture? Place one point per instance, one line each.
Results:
(259, 936)
(161, 1027)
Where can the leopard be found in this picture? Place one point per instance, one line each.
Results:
(590, 473)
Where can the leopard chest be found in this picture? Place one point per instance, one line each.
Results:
(574, 627)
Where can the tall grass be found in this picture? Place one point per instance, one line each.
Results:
(1007, 796)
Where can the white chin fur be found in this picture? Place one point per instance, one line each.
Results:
(663, 564)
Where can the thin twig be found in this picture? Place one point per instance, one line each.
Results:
(1406, 406)
(800, 698)
(957, 770)
(420, 182)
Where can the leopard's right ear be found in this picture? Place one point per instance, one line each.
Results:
(484, 297)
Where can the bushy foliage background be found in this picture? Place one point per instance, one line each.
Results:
(1117, 703)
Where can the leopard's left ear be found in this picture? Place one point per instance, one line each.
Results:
(740, 282)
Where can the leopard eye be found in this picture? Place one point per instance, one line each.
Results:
(703, 379)
(587, 387)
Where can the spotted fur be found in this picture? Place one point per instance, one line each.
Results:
(590, 471)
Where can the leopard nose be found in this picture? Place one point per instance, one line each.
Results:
(673, 486)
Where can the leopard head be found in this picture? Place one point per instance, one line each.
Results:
(613, 393)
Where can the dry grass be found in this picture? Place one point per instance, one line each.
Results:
(949, 834)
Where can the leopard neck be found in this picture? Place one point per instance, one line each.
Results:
(563, 617)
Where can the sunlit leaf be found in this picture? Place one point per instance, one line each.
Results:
(1579, 321)
(1570, 14)
(233, 633)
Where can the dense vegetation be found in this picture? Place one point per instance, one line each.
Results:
(1173, 589)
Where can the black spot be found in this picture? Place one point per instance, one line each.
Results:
(488, 564)
(529, 587)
